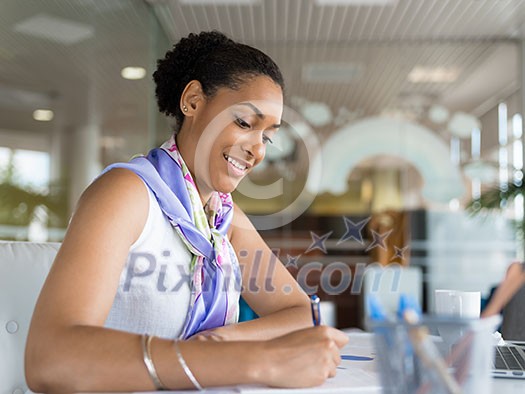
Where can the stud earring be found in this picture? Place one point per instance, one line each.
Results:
(184, 108)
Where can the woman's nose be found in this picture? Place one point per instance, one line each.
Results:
(255, 148)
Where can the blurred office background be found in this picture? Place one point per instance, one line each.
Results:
(413, 106)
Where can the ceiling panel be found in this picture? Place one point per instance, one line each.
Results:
(387, 41)
(293, 20)
(83, 79)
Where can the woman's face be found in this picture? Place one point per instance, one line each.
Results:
(231, 131)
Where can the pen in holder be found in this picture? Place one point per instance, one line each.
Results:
(411, 361)
(428, 352)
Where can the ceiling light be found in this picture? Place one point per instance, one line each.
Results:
(219, 2)
(112, 143)
(56, 29)
(355, 2)
(433, 75)
(454, 204)
(331, 72)
(461, 124)
(133, 72)
(484, 171)
(43, 115)
(317, 113)
(438, 114)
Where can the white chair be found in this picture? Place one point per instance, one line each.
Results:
(23, 269)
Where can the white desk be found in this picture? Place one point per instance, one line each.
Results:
(356, 377)
(508, 386)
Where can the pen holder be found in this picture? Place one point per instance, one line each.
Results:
(412, 361)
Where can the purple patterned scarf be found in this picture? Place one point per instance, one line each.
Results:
(214, 269)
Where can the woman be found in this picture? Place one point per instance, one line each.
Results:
(155, 253)
(509, 299)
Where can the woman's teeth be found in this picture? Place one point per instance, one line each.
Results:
(236, 164)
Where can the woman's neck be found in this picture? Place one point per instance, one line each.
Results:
(186, 149)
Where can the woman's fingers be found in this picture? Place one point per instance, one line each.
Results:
(208, 335)
(336, 357)
(306, 358)
(340, 338)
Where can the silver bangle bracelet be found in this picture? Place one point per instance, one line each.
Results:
(146, 355)
(185, 367)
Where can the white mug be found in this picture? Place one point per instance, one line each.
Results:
(456, 303)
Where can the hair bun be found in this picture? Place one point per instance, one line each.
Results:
(177, 68)
(215, 61)
(193, 49)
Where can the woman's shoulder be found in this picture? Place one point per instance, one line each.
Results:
(118, 184)
(117, 195)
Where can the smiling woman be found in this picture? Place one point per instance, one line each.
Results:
(226, 138)
(144, 291)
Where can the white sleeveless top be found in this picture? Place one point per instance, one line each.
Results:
(153, 295)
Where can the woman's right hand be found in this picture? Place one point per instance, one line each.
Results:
(303, 358)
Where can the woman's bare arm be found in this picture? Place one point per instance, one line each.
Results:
(268, 288)
(69, 350)
(513, 281)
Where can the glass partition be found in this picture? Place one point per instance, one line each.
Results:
(393, 131)
(67, 106)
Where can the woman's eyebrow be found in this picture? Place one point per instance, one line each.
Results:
(259, 114)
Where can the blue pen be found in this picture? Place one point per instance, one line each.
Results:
(351, 357)
(316, 311)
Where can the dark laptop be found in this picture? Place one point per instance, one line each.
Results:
(509, 362)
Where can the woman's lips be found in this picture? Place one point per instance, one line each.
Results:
(236, 167)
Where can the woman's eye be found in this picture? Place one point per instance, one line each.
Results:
(267, 139)
(242, 123)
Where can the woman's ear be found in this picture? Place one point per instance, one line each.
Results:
(192, 98)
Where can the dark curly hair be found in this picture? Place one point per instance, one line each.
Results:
(212, 59)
